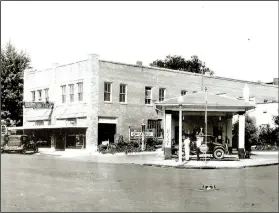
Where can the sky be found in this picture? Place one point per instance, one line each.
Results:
(235, 39)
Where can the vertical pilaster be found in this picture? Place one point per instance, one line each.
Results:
(91, 97)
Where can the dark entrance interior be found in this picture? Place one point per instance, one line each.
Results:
(60, 141)
(75, 138)
(106, 132)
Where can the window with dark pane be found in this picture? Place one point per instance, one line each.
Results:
(122, 93)
(147, 95)
(107, 91)
(63, 90)
(39, 95)
(162, 94)
(72, 92)
(33, 96)
(80, 91)
(157, 126)
(46, 95)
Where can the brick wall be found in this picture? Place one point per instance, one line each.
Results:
(137, 78)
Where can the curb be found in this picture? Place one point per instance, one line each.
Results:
(209, 167)
(49, 154)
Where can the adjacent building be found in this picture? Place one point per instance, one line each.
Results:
(81, 104)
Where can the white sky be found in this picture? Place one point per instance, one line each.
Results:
(218, 32)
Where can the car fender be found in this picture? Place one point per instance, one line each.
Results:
(219, 147)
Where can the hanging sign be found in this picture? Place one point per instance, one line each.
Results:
(38, 105)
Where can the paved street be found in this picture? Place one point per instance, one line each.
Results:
(49, 183)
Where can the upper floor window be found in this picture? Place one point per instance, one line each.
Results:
(63, 90)
(71, 88)
(39, 95)
(33, 96)
(46, 95)
(80, 91)
(162, 93)
(123, 93)
(183, 92)
(107, 91)
(148, 95)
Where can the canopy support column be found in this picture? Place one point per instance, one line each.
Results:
(180, 135)
(241, 136)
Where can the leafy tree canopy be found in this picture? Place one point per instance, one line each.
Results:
(175, 62)
(13, 64)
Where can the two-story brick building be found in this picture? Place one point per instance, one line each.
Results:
(94, 99)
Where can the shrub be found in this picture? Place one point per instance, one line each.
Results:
(132, 146)
(268, 135)
(153, 142)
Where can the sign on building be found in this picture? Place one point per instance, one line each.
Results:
(136, 133)
(38, 105)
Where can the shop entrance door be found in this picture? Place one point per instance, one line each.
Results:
(60, 142)
(106, 132)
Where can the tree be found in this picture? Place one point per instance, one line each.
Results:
(251, 132)
(13, 64)
(195, 65)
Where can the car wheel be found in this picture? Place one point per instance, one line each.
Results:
(219, 154)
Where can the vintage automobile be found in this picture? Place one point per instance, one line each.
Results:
(218, 150)
(19, 143)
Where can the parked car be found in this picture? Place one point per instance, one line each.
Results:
(19, 143)
(218, 150)
(3, 142)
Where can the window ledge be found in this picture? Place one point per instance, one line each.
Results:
(108, 102)
(149, 105)
(123, 103)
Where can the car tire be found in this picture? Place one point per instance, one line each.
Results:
(219, 154)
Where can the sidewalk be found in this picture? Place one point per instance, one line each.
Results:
(157, 159)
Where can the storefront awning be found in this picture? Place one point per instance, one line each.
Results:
(70, 112)
(38, 114)
(198, 101)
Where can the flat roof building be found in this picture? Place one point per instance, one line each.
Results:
(81, 104)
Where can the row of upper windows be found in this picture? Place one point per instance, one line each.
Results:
(107, 93)
(39, 96)
(123, 93)
(72, 92)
